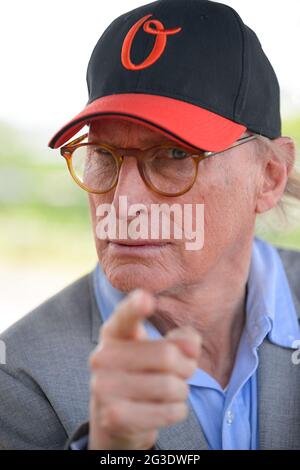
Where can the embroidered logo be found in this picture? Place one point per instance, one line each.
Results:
(154, 27)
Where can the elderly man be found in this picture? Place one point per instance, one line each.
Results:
(197, 348)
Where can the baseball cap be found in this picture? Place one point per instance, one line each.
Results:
(190, 69)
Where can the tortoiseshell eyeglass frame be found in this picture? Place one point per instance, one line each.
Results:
(196, 154)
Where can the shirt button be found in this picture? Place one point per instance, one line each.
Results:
(229, 417)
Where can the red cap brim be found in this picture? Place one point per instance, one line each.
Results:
(180, 120)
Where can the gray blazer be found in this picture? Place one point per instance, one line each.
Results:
(44, 386)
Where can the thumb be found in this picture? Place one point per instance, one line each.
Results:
(187, 339)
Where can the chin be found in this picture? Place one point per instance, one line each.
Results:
(130, 276)
(129, 271)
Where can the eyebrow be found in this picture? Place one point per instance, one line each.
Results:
(143, 144)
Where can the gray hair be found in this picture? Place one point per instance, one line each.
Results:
(286, 214)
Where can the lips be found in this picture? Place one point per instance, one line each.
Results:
(133, 243)
(136, 248)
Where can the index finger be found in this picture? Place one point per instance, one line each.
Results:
(127, 320)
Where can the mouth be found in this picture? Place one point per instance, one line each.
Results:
(136, 247)
(138, 242)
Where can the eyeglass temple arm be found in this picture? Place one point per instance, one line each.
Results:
(238, 142)
(75, 142)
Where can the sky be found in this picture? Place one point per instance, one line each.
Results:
(45, 47)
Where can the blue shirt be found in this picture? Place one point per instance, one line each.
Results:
(228, 416)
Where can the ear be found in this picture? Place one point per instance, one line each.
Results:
(275, 173)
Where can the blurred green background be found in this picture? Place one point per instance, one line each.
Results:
(45, 238)
(44, 216)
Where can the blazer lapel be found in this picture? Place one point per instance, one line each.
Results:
(278, 396)
(96, 318)
(184, 435)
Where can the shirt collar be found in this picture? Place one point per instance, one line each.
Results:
(269, 305)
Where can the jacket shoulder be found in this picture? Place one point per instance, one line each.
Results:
(44, 379)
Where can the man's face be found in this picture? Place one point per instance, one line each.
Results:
(225, 185)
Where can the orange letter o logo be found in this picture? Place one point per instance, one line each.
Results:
(158, 48)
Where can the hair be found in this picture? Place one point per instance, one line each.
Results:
(283, 216)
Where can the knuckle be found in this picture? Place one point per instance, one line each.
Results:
(105, 329)
(183, 389)
(99, 358)
(92, 360)
(168, 356)
(174, 387)
(101, 386)
(191, 366)
(112, 416)
(176, 412)
(95, 387)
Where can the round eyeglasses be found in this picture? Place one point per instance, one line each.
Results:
(167, 169)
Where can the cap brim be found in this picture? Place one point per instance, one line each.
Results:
(178, 119)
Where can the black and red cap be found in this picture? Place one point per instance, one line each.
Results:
(190, 69)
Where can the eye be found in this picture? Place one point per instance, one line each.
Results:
(178, 154)
(101, 151)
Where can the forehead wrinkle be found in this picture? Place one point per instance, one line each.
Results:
(125, 134)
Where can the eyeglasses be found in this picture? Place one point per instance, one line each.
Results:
(167, 169)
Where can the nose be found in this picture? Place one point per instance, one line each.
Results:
(131, 185)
